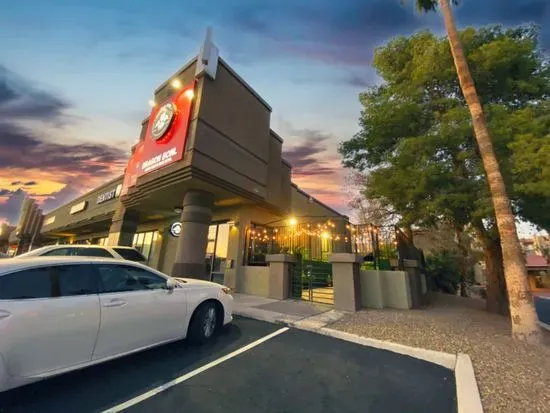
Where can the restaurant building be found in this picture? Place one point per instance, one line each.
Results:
(205, 188)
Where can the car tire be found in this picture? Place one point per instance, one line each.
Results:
(204, 323)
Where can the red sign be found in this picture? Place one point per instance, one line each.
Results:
(130, 177)
(166, 131)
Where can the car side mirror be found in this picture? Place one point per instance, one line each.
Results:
(171, 284)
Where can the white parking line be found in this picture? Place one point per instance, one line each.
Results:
(181, 379)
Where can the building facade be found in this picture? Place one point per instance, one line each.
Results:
(205, 179)
(26, 234)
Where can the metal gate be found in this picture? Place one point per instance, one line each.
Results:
(312, 281)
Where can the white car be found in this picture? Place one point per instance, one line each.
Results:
(117, 251)
(59, 314)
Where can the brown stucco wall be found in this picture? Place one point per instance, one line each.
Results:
(254, 281)
(232, 139)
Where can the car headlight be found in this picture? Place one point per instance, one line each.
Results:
(226, 290)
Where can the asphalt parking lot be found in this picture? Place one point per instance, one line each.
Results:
(293, 371)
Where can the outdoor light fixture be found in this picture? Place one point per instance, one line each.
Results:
(176, 84)
(189, 94)
(152, 103)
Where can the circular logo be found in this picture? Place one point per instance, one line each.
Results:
(175, 229)
(163, 121)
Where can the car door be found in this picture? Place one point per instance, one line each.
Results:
(49, 318)
(137, 310)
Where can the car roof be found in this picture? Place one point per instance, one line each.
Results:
(86, 246)
(13, 264)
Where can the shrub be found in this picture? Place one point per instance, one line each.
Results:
(443, 272)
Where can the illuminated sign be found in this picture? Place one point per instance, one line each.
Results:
(166, 134)
(175, 229)
(81, 206)
(112, 194)
(49, 221)
(163, 121)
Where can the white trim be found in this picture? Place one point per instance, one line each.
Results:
(446, 360)
(467, 392)
(544, 325)
(187, 376)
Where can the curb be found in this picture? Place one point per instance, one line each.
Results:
(467, 391)
(544, 325)
(446, 360)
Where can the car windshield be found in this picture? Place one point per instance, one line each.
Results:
(130, 254)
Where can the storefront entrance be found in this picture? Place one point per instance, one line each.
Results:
(216, 251)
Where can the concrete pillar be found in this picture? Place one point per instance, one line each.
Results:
(280, 275)
(123, 227)
(346, 283)
(191, 249)
(412, 269)
(235, 253)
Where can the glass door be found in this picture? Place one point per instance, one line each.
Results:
(216, 251)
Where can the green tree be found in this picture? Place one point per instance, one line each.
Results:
(524, 316)
(416, 139)
(530, 160)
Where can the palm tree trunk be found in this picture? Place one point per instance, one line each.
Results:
(522, 311)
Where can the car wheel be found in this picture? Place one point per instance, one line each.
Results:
(204, 323)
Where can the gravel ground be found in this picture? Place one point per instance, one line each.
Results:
(512, 377)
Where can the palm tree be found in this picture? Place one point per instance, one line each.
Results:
(522, 311)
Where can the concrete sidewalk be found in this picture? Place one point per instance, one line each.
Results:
(296, 313)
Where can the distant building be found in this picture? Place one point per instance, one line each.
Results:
(538, 269)
(5, 231)
(527, 245)
(27, 233)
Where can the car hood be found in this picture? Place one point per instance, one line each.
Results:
(195, 281)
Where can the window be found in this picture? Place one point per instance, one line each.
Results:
(130, 254)
(26, 284)
(92, 252)
(120, 278)
(75, 280)
(144, 242)
(259, 243)
(216, 251)
(81, 252)
(59, 252)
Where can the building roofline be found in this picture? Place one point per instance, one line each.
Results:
(81, 197)
(227, 67)
(244, 83)
(319, 202)
(176, 73)
(276, 135)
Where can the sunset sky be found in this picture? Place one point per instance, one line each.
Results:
(75, 78)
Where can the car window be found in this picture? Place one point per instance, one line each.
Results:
(75, 280)
(120, 278)
(93, 252)
(130, 254)
(58, 252)
(26, 284)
